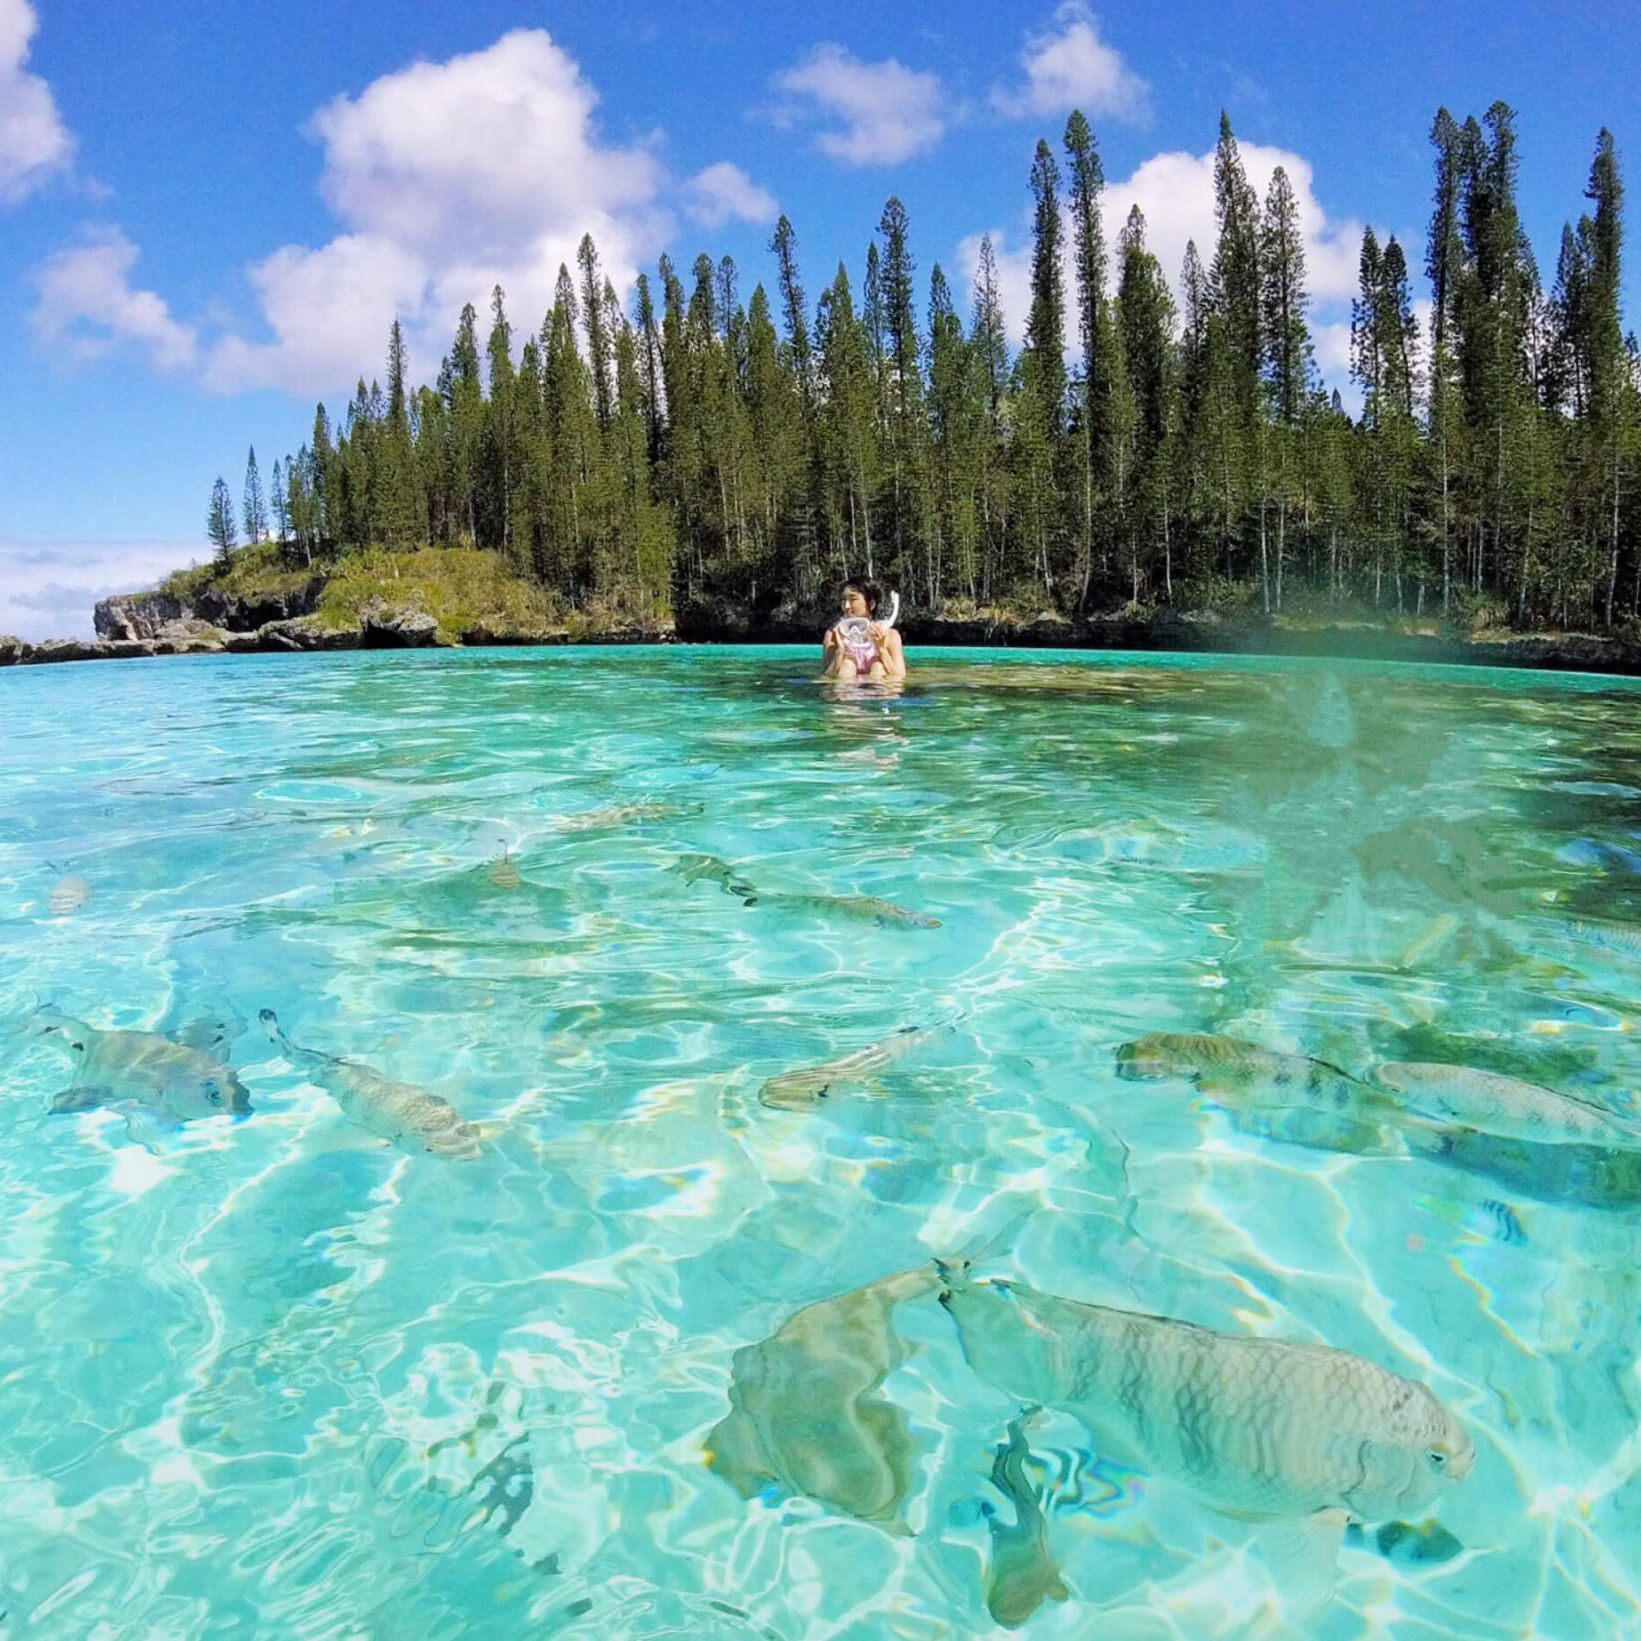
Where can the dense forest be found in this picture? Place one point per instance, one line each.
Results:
(1135, 451)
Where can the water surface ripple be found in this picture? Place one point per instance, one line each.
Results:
(287, 1376)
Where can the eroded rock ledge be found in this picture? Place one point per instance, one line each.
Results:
(149, 624)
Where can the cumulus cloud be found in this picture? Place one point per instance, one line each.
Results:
(1070, 66)
(87, 305)
(871, 113)
(48, 588)
(1175, 192)
(713, 196)
(34, 142)
(449, 178)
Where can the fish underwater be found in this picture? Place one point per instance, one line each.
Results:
(1621, 939)
(862, 908)
(1244, 1074)
(1021, 1573)
(68, 894)
(805, 1413)
(1587, 1176)
(1506, 1106)
(408, 1117)
(886, 914)
(504, 874)
(797, 1090)
(695, 868)
(624, 814)
(1300, 1437)
(169, 1078)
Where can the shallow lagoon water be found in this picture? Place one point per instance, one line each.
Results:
(275, 1376)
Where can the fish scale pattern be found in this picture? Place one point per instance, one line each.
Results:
(1256, 1426)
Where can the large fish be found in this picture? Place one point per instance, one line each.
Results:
(1622, 939)
(1239, 1070)
(410, 1118)
(1588, 1176)
(862, 908)
(797, 1090)
(805, 1412)
(1258, 1428)
(1496, 1104)
(623, 814)
(175, 1081)
(1022, 1572)
(693, 868)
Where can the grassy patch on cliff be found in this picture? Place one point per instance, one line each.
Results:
(253, 570)
(460, 587)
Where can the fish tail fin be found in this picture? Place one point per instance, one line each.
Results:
(150, 1129)
(953, 1269)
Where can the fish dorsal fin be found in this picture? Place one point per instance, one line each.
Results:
(1303, 1556)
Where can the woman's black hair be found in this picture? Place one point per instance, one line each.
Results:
(869, 590)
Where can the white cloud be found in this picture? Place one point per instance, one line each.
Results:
(88, 307)
(450, 178)
(1070, 66)
(723, 191)
(329, 310)
(47, 588)
(34, 142)
(884, 113)
(1176, 193)
(1332, 344)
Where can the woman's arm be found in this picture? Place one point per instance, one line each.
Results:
(894, 657)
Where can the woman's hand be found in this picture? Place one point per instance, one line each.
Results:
(830, 640)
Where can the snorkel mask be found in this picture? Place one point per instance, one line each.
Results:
(853, 627)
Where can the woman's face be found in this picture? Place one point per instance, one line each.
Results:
(854, 601)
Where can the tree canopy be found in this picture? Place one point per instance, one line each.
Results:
(701, 447)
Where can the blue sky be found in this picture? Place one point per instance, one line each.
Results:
(209, 215)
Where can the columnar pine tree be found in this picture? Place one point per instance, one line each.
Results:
(404, 511)
(219, 524)
(464, 402)
(1097, 330)
(1145, 325)
(279, 502)
(1040, 417)
(256, 507)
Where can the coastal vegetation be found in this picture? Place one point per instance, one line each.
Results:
(702, 451)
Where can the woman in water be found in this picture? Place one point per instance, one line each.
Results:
(860, 646)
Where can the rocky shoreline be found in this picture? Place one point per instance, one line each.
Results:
(153, 624)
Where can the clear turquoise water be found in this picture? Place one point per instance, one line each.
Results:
(262, 1377)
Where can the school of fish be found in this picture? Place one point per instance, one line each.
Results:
(1321, 1443)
